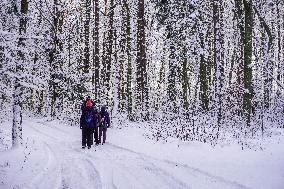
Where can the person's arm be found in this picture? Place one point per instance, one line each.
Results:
(81, 121)
(108, 119)
(83, 105)
(95, 117)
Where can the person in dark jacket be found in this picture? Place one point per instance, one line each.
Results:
(94, 134)
(97, 123)
(104, 124)
(87, 124)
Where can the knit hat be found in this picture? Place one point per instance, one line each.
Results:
(89, 103)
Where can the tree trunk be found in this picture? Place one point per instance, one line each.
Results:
(142, 88)
(96, 54)
(185, 85)
(172, 90)
(204, 84)
(55, 59)
(239, 14)
(248, 93)
(269, 67)
(87, 36)
(123, 58)
(17, 138)
(129, 64)
(18, 89)
(109, 51)
(218, 57)
(279, 49)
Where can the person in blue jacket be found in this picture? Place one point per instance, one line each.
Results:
(104, 124)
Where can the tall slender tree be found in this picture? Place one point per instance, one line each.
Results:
(142, 86)
(96, 51)
(18, 88)
(129, 60)
(87, 36)
(218, 56)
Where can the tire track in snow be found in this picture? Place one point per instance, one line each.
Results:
(82, 170)
(105, 168)
(54, 127)
(213, 178)
(142, 170)
(41, 129)
(191, 170)
(145, 163)
(97, 176)
(30, 126)
(74, 165)
(50, 169)
(86, 165)
(98, 161)
(119, 168)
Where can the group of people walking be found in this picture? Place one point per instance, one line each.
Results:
(93, 124)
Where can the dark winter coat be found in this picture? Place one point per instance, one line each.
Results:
(104, 114)
(97, 117)
(85, 112)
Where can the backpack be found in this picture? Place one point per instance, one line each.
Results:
(89, 118)
(103, 122)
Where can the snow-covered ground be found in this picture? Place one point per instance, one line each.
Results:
(51, 157)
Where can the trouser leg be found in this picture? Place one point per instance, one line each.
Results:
(100, 134)
(92, 136)
(84, 137)
(89, 137)
(104, 134)
(96, 135)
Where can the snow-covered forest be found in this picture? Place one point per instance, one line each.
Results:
(194, 89)
(195, 70)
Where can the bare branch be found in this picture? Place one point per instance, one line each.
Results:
(42, 13)
(266, 27)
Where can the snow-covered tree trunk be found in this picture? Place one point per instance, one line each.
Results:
(129, 92)
(218, 57)
(172, 83)
(87, 36)
(203, 74)
(185, 81)
(248, 93)
(96, 51)
(17, 137)
(142, 85)
(18, 88)
(107, 52)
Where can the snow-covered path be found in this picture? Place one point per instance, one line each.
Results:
(52, 159)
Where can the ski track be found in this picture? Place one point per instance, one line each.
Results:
(66, 162)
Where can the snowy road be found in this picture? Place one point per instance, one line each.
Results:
(52, 159)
